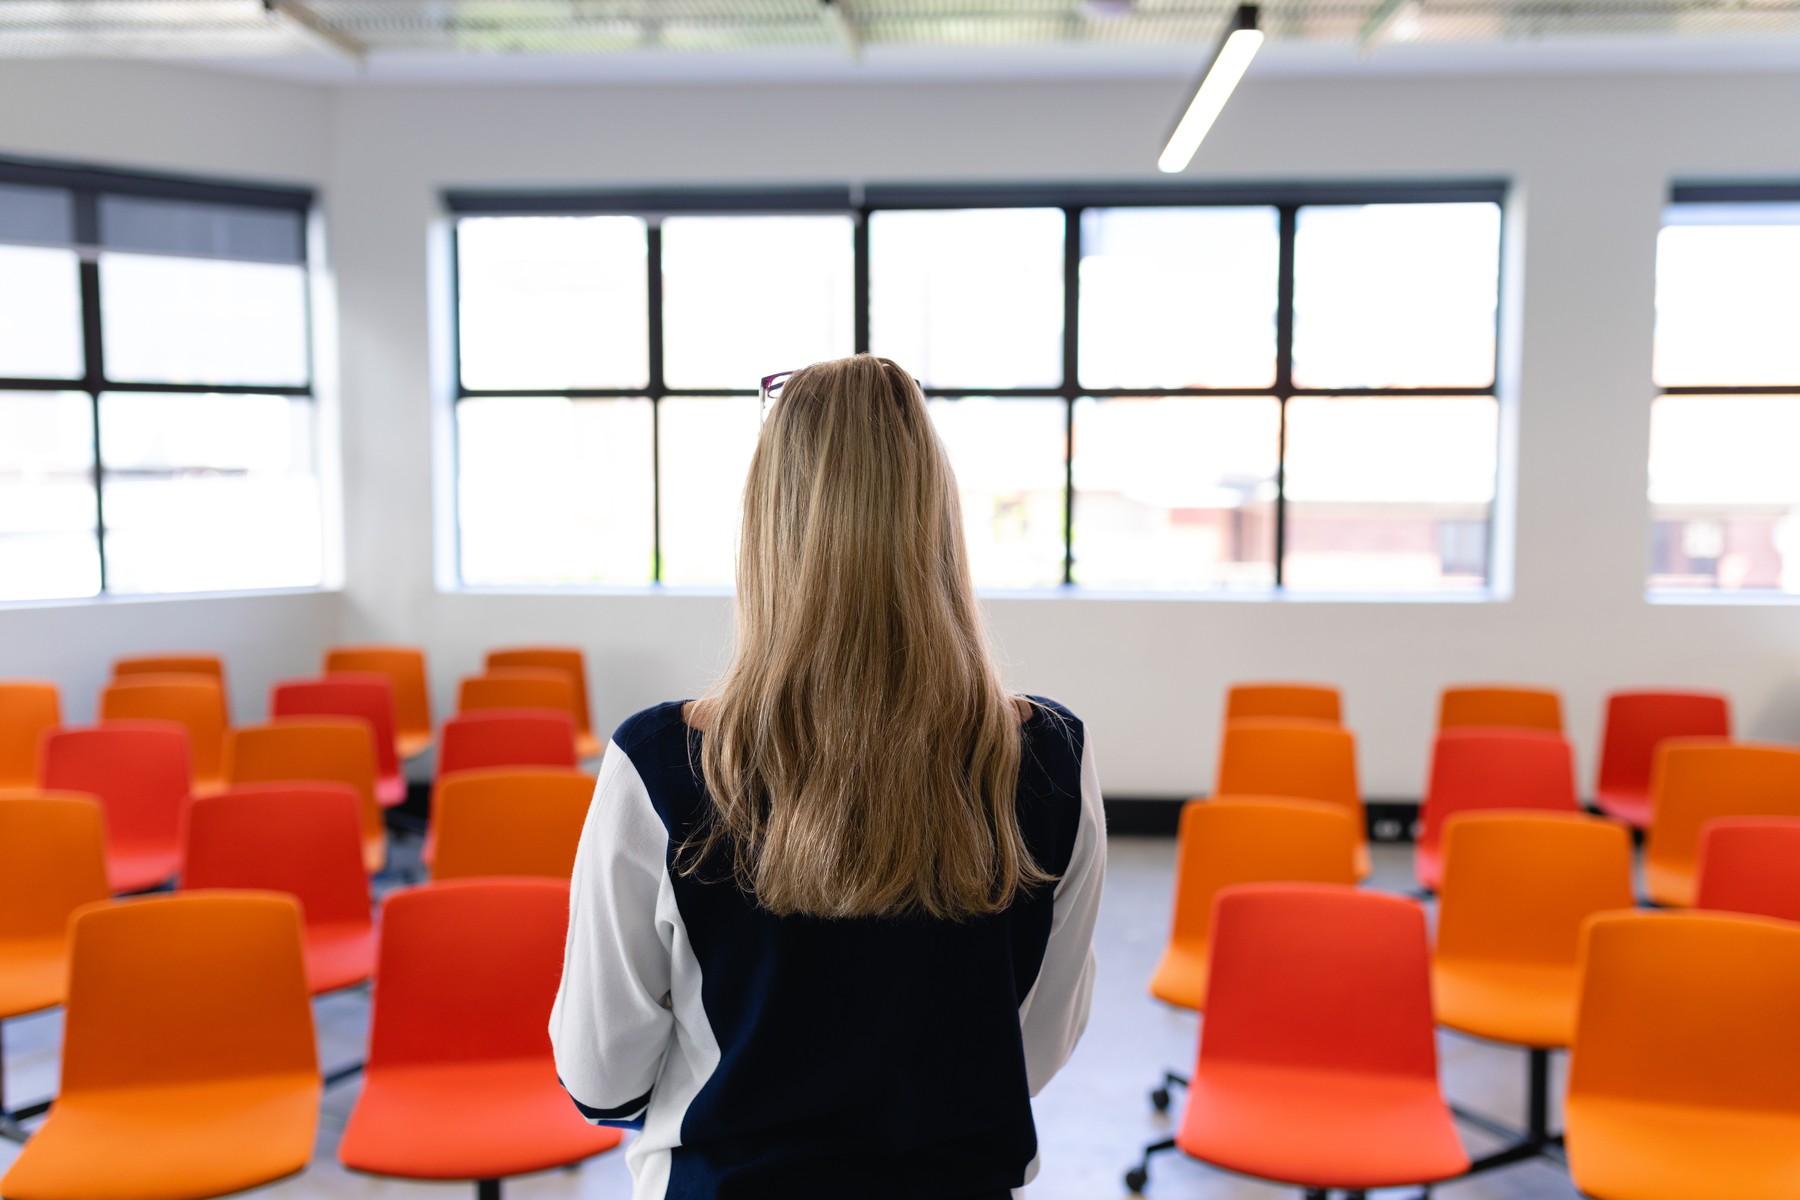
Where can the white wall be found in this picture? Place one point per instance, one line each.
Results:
(158, 119)
(1591, 158)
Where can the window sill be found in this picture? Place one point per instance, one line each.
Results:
(1062, 592)
(1719, 598)
(112, 598)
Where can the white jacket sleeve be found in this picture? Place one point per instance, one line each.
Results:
(611, 1024)
(1055, 1011)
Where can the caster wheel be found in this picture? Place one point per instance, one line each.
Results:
(1160, 1099)
(1136, 1179)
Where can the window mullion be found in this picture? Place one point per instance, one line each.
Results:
(1284, 375)
(654, 293)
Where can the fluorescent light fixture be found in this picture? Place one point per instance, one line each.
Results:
(1229, 62)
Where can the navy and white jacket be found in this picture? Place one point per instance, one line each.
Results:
(797, 1058)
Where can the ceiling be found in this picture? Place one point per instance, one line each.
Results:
(514, 40)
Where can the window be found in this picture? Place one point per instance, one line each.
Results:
(1724, 489)
(1150, 390)
(156, 416)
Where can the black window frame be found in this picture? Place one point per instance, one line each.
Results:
(1718, 192)
(85, 186)
(1072, 200)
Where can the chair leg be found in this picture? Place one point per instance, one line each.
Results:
(1537, 1140)
(1138, 1178)
(1159, 1099)
(10, 1127)
(487, 1189)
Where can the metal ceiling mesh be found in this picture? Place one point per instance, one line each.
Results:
(207, 28)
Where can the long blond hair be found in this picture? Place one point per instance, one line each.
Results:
(861, 754)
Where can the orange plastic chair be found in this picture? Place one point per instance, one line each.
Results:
(1517, 890)
(1318, 1064)
(1287, 701)
(1751, 865)
(1636, 723)
(508, 821)
(526, 687)
(570, 661)
(188, 1067)
(1303, 760)
(507, 738)
(171, 664)
(1697, 780)
(460, 1082)
(405, 668)
(139, 771)
(1476, 768)
(52, 862)
(304, 839)
(1685, 1078)
(1508, 707)
(314, 749)
(28, 709)
(1230, 840)
(195, 702)
(368, 697)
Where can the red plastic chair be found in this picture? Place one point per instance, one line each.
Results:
(500, 737)
(567, 659)
(367, 696)
(460, 1081)
(140, 772)
(304, 839)
(1483, 769)
(1751, 865)
(1318, 1059)
(1636, 723)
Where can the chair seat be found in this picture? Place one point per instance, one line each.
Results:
(413, 744)
(169, 1143)
(478, 1120)
(1320, 1129)
(34, 974)
(1632, 1150)
(1428, 866)
(374, 852)
(1671, 887)
(1364, 866)
(1633, 808)
(338, 956)
(209, 785)
(135, 868)
(1180, 977)
(586, 746)
(1518, 1003)
(390, 790)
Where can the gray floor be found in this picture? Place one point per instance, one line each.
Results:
(1091, 1121)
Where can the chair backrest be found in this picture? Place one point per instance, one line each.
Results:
(1510, 707)
(1306, 760)
(1229, 840)
(1518, 887)
(195, 702)
(366, 696)
(404, 667)
(507, 738)
(567, 659)
(171, 664)
(185, 989)
(303, 839)
(1305, 701)
(509, 821)
(1697, 780)
(1319, 977)
(28, 708)
(301, 749)
(138, 770)
(1692, 1009)
(1479, 768)
(1637, 722)
(52, 861)
(1751, 865)
(468, 970)
(518, 687)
